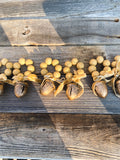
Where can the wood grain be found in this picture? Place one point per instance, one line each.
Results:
(60, 136)
(59, 31)
(33, 102)
(60, 8)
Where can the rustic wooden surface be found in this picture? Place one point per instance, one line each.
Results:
(47, 8)
(60, 136)
(42, 28)
(33, 102)
(60, 31)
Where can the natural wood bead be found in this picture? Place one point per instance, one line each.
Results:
(80, 71)
(44, 71)
(100, 59)
(68, 64)
(68, 75)
(102, 73)
(91, 69)
(9, 65)
(31, 68)
(107, 69)
(66, 70)
(16, 71)
(28, 62)
(26, 73)
(80, 65)
(16, 65)
(8, 72)
(106, 63)
(50, 74)
(95, 73)
(74, 61)
(55, 62)
(21, 75)
(58, 68)
(113, 64)
(22, 61)
(4, 61)
(43, 65)
(56, 74)
(48, 61)
(93, 62)
(117, 58)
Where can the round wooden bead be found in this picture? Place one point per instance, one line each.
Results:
(106, 63)
(16, 65)
(113, 64)
(44, 71)
(66, 70)
(100, 59)
(48, 61)
(43, 65)
(9, 65)
(56, 74)
(68, 75)
(74, 61)
(55, 62)
(8, 72)
(31, 68)
(95, 73)
(91, 69)
(117, 58)
(4, 61)
(93, 62)
(22, 61)
(58, 68)
(28, 62)
(80, 65)
(68, 64)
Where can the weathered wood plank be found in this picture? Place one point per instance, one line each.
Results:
(35, 103)
(60, 136)
(59, 8)
(59, 31)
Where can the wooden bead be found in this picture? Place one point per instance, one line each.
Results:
(80, 71)
(106, 69)
(80, 65)
(55, 62)
(16, 65)
(117, 58)
(8, 72)
(48, 61)
(22, 61)
(44, 71)
(50, 74)
(74, 61)
(68, 64)
(102, 73)
(31, 68)
(43, 65)
(28, 62)
(3, 76)
(21, 75)
(100, 59)
(56, 74)
(4, 61)
(106, 63)
(95, 73)
(26, 73)
(66, 70)
(91, 69)
(9, 65)
(93, 62)
(113, 64)
(58, 68)
(16, 71)
(68, 75)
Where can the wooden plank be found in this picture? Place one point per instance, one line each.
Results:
(60, 136)
(33, 102)
(60, 31)
(60, 8)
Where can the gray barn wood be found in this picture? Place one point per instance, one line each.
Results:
(60, 136)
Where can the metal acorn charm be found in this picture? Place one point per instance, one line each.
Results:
(116, 79)
(100, 89)
(101, 79)
(46, 87)
(20, 89)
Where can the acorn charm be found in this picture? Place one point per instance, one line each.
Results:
(20, 89)
(100, 89)
(47, 87)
